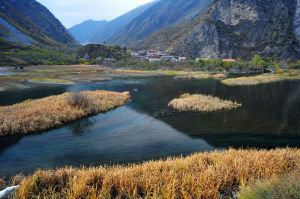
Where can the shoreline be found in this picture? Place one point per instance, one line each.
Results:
(74, 74)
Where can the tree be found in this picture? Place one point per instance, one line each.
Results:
(258, 61)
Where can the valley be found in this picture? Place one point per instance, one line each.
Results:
(149, 99)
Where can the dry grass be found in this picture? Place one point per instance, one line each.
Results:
(278, 187)
(203, 175)
(54, 111)
(178, 74)
(202, 103)
(65, 68)
(259, 79)
(219, 76)
(2, 183)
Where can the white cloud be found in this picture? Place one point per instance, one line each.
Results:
(71, 12)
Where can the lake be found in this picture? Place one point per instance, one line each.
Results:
(146, 129)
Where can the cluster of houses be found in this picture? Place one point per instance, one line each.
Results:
(160, 55)
(154, 56)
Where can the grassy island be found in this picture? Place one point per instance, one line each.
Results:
(204, 175)
(259, 79)
(54, 111)
(202, 103)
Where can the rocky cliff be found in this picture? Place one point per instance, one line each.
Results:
(234, 28)
(297, 24)
(98, 51)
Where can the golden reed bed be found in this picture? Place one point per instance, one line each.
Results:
(203, 175)
(199, 102)
(54, 111)
(259, 79)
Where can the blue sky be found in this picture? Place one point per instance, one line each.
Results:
(72, 12)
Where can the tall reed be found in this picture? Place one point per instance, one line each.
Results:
(199, 102)
(54, 111)
(259, 79)
(202, 175)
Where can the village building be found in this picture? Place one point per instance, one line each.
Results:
(154, 59)
(229, 60)
(181, 58)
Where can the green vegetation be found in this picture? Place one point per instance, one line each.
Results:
(51, 80)
(211, 175)
(199, 102)
(212, 65)
(278, 187)
(39, 56)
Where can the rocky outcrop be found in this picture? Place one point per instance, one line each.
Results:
(297, 24)
(6, 193)
(234, 28)
(98, 51)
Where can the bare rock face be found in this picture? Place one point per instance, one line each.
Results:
(25, 21)
(97, 51)
(6, 193)
(237, 28)
(297, 24)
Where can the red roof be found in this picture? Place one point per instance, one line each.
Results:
(162, 54)
(228, 60)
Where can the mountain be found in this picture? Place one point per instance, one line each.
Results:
(234, 28)
(117, 24)
(27, 22)
(84, 31)
(163, 14)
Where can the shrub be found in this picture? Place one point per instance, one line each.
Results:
(278, 187)
(279, 71)
(2, 183)
(78, 100)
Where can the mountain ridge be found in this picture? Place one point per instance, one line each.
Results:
(33, 20)
(90, 26)
(111, 27)
(163, 14)
(233, 29)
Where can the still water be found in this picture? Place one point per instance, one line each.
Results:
(146, 129)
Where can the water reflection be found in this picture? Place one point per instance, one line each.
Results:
(79, 127)
(147, 129)
(121, 136)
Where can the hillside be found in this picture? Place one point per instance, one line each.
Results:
(161, 15)
(116, 25)
(95, 51)
(30, 23)
(85, 30)
(234, 28)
